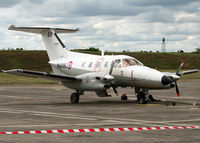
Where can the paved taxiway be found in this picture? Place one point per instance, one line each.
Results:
(35, 107)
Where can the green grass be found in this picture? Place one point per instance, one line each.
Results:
(15, 79)
(38, 60)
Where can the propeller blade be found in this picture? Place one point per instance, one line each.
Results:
(177, 90)
(179, 68)
(114, 89)
(110, 72)
(111, 68)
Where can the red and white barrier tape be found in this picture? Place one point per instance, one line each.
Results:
(100, 130)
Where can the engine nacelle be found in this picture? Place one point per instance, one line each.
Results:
(94, 81)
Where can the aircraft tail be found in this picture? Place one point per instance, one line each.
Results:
(55, 47)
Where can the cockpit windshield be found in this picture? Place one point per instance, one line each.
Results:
(130, 62)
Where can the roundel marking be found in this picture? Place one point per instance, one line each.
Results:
(69, 66)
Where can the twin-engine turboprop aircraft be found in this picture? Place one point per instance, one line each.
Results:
(85, 72)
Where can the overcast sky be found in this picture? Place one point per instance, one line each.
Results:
(113, 25)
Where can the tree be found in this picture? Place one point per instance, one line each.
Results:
(93, 49)
(197, 50)
(181, 51)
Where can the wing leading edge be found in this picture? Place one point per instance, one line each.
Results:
(37, 74)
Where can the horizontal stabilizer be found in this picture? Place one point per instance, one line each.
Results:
(39, 30)
(37, 74)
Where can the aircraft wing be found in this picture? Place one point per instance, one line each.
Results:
(176, 76)
(188, 72)
(45, 75)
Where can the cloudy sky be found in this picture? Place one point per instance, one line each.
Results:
(113, 25)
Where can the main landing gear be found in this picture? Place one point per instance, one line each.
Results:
(142, 95)
(74, 98)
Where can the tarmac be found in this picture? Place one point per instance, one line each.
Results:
(42, 107)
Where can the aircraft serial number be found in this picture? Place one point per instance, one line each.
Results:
(61, 66)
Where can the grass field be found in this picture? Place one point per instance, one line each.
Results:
(14, 79)
(38, 61)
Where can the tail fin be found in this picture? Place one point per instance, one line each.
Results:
(55, 47)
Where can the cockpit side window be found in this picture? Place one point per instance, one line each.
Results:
(117, 62)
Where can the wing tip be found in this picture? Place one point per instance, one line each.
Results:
(12, 27)
(12, 70)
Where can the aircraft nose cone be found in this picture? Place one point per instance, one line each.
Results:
(166, 80)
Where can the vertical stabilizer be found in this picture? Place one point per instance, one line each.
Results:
(55, 48)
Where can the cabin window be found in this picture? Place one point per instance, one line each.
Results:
(90, 64)
(106, 64)
(97, 64)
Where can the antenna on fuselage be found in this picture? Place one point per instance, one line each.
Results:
(102, 52)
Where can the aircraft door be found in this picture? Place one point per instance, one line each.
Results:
(117, 67)
(97, 66)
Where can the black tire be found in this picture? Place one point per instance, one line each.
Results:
(141, 98)
(74, 98)
(124, 98)
(151, 99)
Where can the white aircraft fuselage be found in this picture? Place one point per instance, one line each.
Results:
(135, 75)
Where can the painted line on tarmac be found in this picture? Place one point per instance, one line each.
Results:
(92, 130)
(94, 118)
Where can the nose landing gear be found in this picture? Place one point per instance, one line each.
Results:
(142, 95)
(74, 98)
(141, 98)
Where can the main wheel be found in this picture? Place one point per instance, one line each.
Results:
(141, 98)
(74, 98)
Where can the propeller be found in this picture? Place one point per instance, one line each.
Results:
(177, 90)
(111, 68)
(110, 73)
(179, 68)
(178, 73)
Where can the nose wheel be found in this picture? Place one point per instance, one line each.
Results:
(141, 98)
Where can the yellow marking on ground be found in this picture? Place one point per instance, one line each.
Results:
(149, 104)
